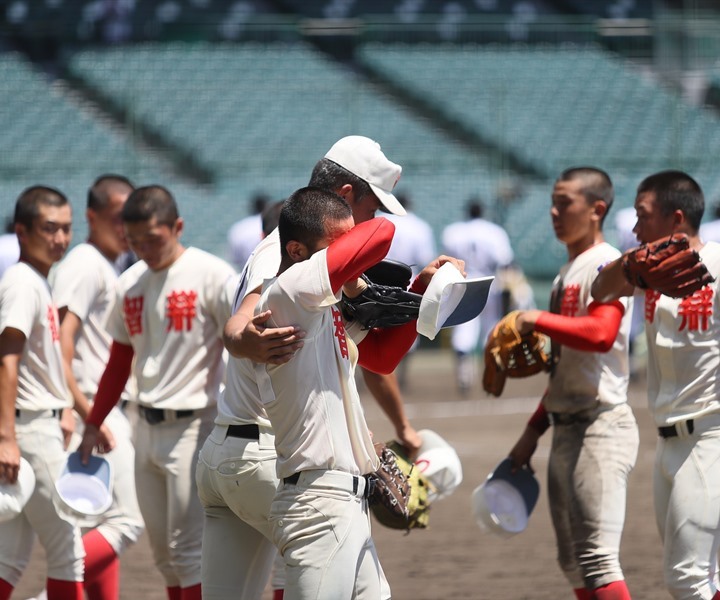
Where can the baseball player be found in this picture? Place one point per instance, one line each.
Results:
(253, 454)
(319, 516)
(166, 326)
(485, 248)
(683, 337)
(84, 289)
(33, 393)
(595, 436)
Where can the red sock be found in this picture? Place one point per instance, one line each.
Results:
(174, 593)
(617, 590)
(102, 568)
(5, 590)
(583, 594)
(715, 597)
(278, 594)
(64, 590)
(191, 593)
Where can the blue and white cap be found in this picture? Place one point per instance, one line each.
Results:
(84, 490)
(450, 300)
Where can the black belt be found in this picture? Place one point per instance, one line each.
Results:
(369, 483)
(56, 412)
(157, 415)
(571, 418)
(250, 431)
(672, 431)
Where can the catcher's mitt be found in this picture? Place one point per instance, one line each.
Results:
(510, 354)
(399, 497)
(382, 306)
(668, 266)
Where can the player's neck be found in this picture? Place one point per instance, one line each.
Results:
(108, 254)
(575, 249)
(40, 267)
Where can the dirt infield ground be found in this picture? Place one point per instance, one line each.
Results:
(453, 559)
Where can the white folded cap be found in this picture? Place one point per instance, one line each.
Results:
(439, 462)
(14, 496)
(450, 300)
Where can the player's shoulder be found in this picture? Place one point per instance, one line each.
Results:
(83, 258)
(133, 274)
(21, 277)
(208, 261)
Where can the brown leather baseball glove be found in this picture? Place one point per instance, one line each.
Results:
(668, 266)
(510, 354)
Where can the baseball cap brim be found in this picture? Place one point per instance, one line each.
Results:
(390, 202)
(450, 300)
(14, 496)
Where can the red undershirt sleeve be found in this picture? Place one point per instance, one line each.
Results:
(595, 332)
(112, 383)
(359, 249)
(539, 421)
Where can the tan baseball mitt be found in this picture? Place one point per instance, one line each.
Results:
(510, 354)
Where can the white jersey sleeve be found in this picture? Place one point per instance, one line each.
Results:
(27, 305)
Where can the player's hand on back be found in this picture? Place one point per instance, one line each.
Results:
(274, 345)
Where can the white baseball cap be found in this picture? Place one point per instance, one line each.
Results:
(503, 503)
(84, 491)
(439, 462)
(450, 300)
(364, 158)
(14, 496)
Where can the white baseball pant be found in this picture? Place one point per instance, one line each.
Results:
(236, 481)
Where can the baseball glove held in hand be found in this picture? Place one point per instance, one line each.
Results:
(389, 486)
(668, 266)
(510, 354)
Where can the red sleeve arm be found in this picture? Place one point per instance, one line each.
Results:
(595, 332)
(382, 349)
(540, 421)
(112, 383)
(359, 249)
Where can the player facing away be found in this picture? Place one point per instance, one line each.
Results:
(595, 435)
(33, 394)
(319, 517)
(166, 326)
(683, 338)
(84, 289)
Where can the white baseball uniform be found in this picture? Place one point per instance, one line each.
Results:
(84, 282)
(319, 515)
(683, 373)
(413, 242)
(595, 436)
(173, 319)
(236, 476)
(26, 304)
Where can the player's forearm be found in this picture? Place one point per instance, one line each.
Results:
(112, 383)
(539, 422)
(359, 249)
(8, 396)
(610, 284)
(386, 391)
(67, 344)
(595, 332)
(233, 334)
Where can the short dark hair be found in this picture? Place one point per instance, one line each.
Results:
(259, 202)
(597, 185)
(99, 193)
(29, 201)
(330, 176)
(150, 201)
(676, 190)
(305, 213)
(475, 208)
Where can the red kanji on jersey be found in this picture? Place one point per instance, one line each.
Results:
(53, 323)
(340, 332)
(696, 310)
(180, 310)
(569, 304)
(133, 308)
(651, 298)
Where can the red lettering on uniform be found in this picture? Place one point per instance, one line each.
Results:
(651, 298)
(180, 310)
(696, 310)
(340, 332)
(53, 323)
(133, 308)
(569, 305)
